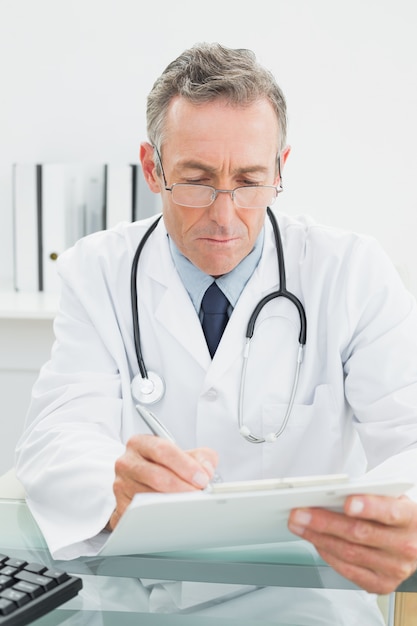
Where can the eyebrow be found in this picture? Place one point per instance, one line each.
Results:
(197, 165)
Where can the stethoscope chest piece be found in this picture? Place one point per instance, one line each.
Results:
(148, 390)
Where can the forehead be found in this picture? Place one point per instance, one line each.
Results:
(219, 128)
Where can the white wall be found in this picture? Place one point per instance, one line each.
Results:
(74, 75)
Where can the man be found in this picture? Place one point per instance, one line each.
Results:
(217, 119)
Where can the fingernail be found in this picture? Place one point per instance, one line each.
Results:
(302, 518)
(201, 479)
(356, 506)
(208, 466)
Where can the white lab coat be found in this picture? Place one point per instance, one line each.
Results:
(356, 403)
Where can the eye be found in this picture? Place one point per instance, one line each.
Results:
(246, 182)
(196, 181)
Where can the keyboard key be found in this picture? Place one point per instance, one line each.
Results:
(32, 590)
(6, 606)
(5, 581)
(8, 571)
(36, 568)
(56, 575)
(18, 597)
(17, 563)
(36, 579)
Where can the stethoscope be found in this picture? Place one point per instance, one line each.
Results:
(148, 387)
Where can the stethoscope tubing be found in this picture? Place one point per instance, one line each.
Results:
(134, 298)
(282, 292)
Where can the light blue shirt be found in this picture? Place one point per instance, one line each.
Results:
(232, 284)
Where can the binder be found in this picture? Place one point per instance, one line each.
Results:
(119, 194)
(27, 226)
(55, 204)
(73, 205)
(157, 522)
(128, 197)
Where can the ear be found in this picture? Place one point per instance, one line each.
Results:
(148, 167)
(284, 155)
(283, 158)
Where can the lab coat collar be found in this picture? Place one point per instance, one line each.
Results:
(175, 311)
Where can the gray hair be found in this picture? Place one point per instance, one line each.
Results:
(207, 72)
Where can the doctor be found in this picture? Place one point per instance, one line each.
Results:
(216, 153)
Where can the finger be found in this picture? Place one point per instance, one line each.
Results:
(400, 538)
(373, 581)
(153, 478)
(207, 458)
(130, 478)
(160, 465)
(398, 512)
(306, 522)
(392, 564)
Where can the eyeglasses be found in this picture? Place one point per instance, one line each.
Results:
(201, 196)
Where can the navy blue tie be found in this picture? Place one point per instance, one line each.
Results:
(214, 305)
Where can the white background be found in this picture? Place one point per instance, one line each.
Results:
(74, 76)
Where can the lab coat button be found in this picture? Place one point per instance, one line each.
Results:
(211, 395)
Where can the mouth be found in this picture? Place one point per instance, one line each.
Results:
(218, 241)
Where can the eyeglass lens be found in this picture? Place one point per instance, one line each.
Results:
(199, 196)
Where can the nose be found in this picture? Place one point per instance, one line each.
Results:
(223, 209)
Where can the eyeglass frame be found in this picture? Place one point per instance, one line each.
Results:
(216, 192)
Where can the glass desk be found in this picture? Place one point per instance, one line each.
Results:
(188, 588)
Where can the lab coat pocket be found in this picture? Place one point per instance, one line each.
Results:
(320, 410)
(310, 443)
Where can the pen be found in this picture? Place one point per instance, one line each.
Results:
(158, 429)
(154, 424)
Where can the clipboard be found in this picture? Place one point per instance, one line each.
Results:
(232, 514)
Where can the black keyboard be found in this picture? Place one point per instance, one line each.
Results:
(30, 590)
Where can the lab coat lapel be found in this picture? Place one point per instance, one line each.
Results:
(174, 308)
(176, 312)
(263, 281)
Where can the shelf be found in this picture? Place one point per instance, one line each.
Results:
(28, 306)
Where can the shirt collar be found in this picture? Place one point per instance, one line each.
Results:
(232, 284)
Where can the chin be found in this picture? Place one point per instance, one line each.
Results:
(216, 269)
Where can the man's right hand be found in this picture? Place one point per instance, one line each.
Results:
(154, 464)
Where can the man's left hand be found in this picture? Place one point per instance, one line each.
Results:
(373, 543)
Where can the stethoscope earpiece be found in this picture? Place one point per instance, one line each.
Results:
(148, 390)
